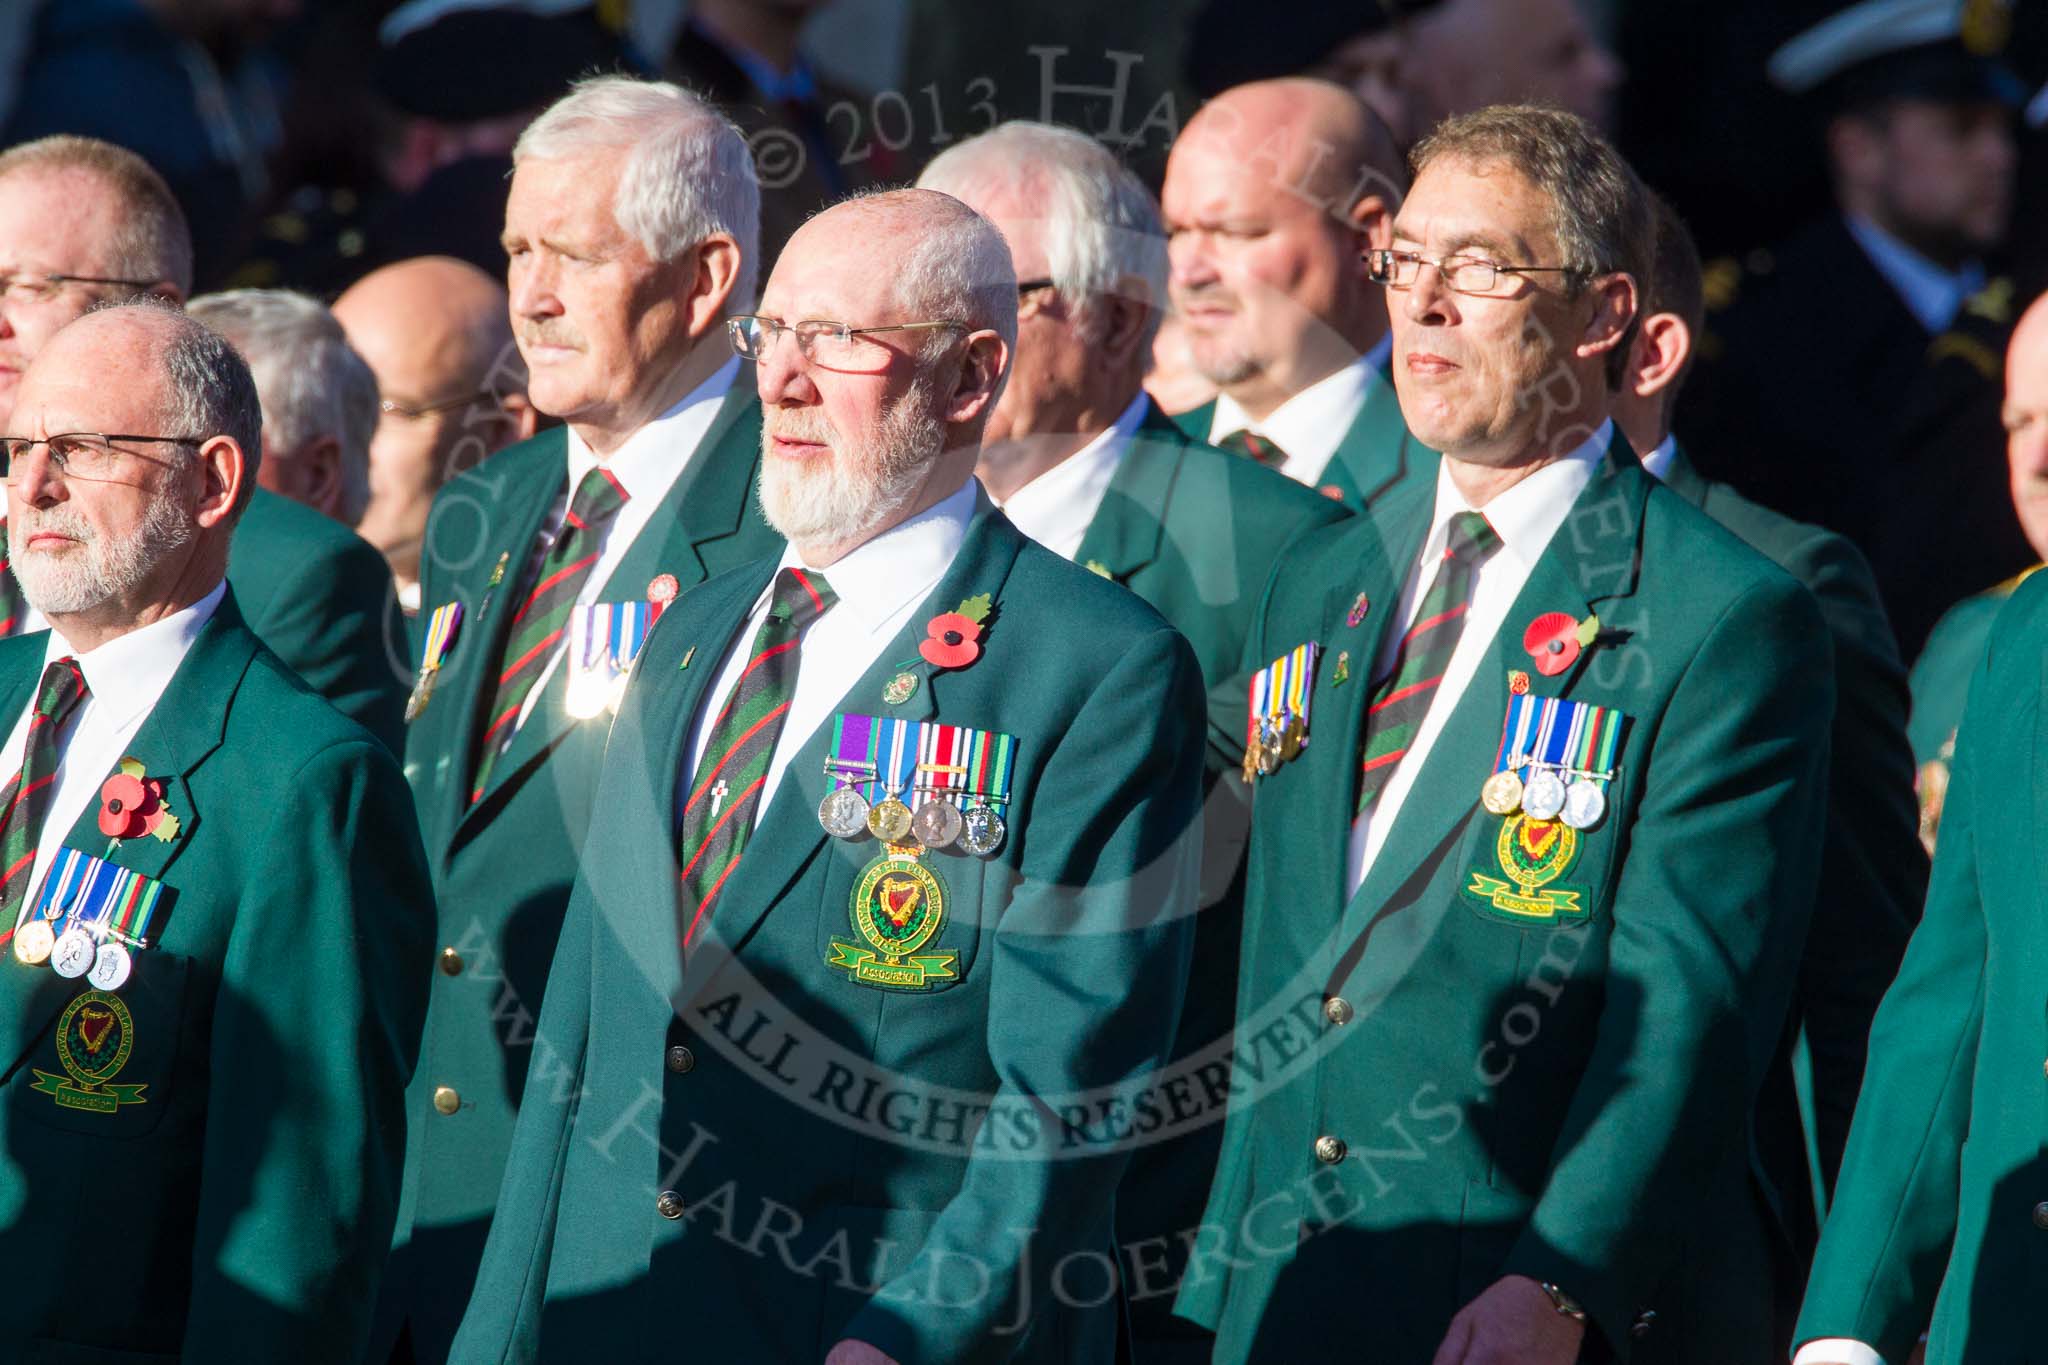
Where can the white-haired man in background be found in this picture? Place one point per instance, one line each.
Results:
(630, 232)
(1081, 461)
(319, 397)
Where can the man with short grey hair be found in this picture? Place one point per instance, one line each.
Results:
(83, 223)
(212, 888)
(1535, 842)
(996, 947)
(630, 231)
(1079, 459)
(319, 398)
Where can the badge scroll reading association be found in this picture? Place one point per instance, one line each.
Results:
(898, 907)
(1548, 785)
(95, 1036)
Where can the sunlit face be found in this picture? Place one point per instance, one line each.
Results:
(843, 448)
(2026, 428)
(600, 323)
(1257, 270)
(1478, 376)
(77, 543)
(51, 223)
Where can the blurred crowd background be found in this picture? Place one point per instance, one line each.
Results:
(312, 141)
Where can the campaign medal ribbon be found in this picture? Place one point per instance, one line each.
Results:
(105, 911)
(1549, 780)
(441, 628)
(921, 782)
(989, 758)
(850, 763)
(1277, 727)
(604, 641)
(941, 775)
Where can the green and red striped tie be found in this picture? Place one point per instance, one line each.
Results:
(1254, 446)
(26, 800)
(725, 796)
(544, 615)
(1401, 699)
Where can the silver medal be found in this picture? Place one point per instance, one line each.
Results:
(1584, 804)
(111, 967)
(33, 942)
(1543, 795)
(843, 813)
(981, 829)
(74, 953)
(936, 823)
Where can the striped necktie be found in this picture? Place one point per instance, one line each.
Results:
(26, 800)
(726, 792)
(1257, 447)
(542, 618)
(1401, 699)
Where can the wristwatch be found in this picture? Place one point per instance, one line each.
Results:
(1565, 1304)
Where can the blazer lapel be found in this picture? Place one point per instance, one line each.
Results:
(1377, 454)
(1684, 479)
(1127, 529)
(787, 836)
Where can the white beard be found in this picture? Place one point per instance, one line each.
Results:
(98, 571)
(861, 485)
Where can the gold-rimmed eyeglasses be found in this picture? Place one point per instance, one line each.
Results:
(85, 454)
(831, 344)
(1460, 274)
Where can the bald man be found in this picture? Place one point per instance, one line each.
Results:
(1273, 194)
(1941, 675)
(436, 333)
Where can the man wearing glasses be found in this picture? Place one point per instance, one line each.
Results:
(84, 223)
(630, 229)
(883, 915)
(1543, 865)
(214, 901)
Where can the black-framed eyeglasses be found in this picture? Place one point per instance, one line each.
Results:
(1460, 274)
(415, 413)
(85, 454)
(40, 288)
(829, 344)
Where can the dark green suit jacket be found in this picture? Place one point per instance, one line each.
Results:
(1376, 456)
(1939, 1213)
(1195, 531)
(902, 1146)
(240, 1211)
(503, 866)
(1873, 869)
(1562, 1098)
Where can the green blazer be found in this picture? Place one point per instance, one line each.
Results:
(1560, 1097)
(1195, 531)
(892, 1138)
(1376, 456)
(1942, 673)
(1873, 868)
(1939, 1213)
(317, 593)
(503, 866)
(238, 1209)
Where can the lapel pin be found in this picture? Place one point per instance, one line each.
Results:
(1359, 606)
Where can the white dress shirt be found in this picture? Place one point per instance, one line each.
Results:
(880, 585)
(1056, 508)
(1310, 426)
(1525, 517)
(123, 679)
(647, 466)
(1660, 460)
(1930, 293)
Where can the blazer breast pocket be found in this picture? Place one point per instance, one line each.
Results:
(104, 1064)
(1542, 873)
(906, 924)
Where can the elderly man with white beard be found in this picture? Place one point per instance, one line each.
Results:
(883, 913)
(211, 886)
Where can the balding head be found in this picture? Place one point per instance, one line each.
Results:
(863, 432)
(1273, 193)
(436, 333)
(109, 535)
(2026, 422)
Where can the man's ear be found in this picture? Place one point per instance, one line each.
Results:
(1125, 320)
(223, 470)
(713, 267)
(1663, 348)
(319, 466)
(1615, 303)
(1372, 217)
(982, 367)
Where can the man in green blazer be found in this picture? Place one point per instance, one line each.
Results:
(1873, 868)
(87, 222)
(1080, 460)
(863, 1098)
(1272, 191)
(543, 568)
(1533, 841)
(213, 893)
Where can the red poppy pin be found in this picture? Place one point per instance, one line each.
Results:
(1555, 638)
(132, 805)
(953, 638)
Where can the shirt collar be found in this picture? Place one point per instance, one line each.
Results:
(1078, 482)
(1312, 421)
(1526, 516)
(648, 460)
(1930, 293)
(1659, 461)
(880, 577)
(127, 674)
